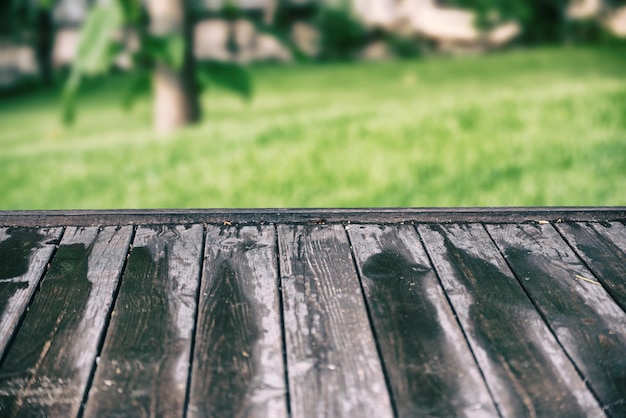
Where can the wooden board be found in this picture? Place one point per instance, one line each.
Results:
(144, 364)
(24, 253)
(587, 322)
(428, 362)
(238, 366)
(313, 216)
(46, 369)
(368, 319)
(603, 248)
(332, 360)
(525, 368)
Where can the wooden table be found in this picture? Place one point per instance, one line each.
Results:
(338, 313)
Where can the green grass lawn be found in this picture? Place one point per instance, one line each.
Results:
(533, 127)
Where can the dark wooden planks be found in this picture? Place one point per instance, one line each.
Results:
(144, 364)
(586, 320)
(238, 368)
(48, 365)
(428, 362)
(291, 216)
(24, 253)
(524, 366)
(603, 248)
(238, 360)
(332, 361)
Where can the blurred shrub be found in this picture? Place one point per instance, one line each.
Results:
(342, 34)
(583, 31)
(404, 46)
(543, 21)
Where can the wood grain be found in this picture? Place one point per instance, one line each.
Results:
(587, 322)
(525, 368)
(333, 364)
(144, 364)
(428, 362)
(314, 216)
(603, 248)
(238, 366)
(530, 320)
(24, 253)
(47, 367)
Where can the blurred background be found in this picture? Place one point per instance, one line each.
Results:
(310, 103)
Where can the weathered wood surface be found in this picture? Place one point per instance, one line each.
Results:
(144, 364)
(603, 248)
(332, 361)
(524, 366)
(239, 317)
(430, 368)
(238, 359)
(47, 367)
(587, 322)
(24, 253)
(313, 216)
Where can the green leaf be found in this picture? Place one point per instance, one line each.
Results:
(132, 10)
(139, 84)
(166, 49)
(68, 100)
(95, 54)
(45, 4)
(176, 51)
(231, 76)
(96, 49)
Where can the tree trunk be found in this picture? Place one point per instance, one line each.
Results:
(175, 91)
(44, 37)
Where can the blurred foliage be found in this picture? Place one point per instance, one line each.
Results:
(342, 34)
(107, 32)
(542, 21)
(225, 74)
(230, 11)
(18, 17)
(111, 24)
(404, 46)
(30, 22)
(285, 15)
(97, 49)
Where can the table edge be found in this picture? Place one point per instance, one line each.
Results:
(40, 218)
